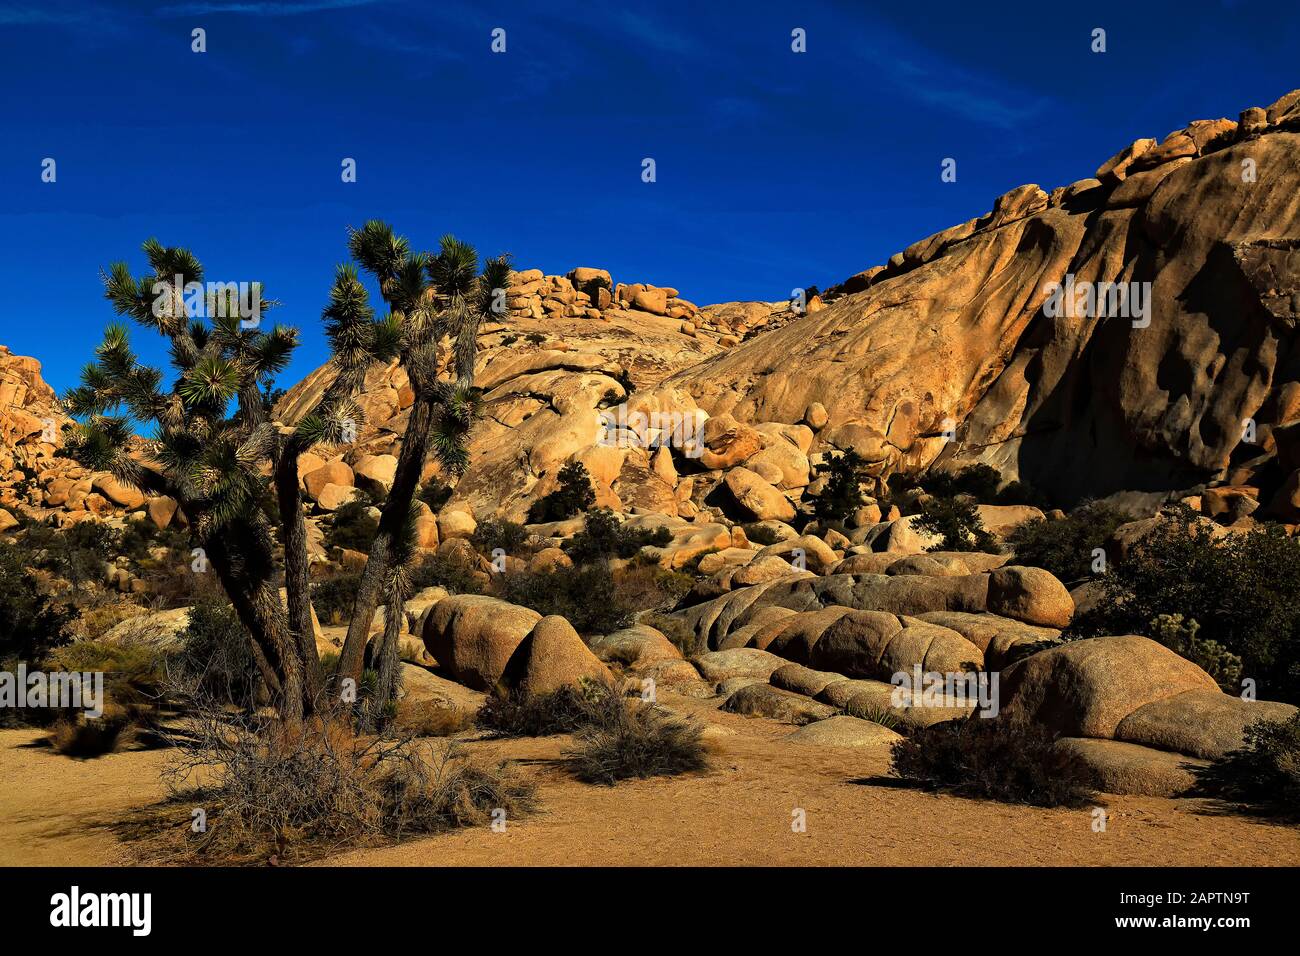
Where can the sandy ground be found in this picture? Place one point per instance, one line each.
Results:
(54, 810)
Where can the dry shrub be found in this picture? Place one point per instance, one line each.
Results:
(430, 719)
(628, 739)
(86, 738)
(562, 711)
(300, 792)
(1014, 762)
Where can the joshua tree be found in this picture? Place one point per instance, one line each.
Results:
(213, 434)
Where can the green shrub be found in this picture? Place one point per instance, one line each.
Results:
(573, 496)
(957, 522)
(353, 527)
(333, 598)
(451, 571)
(586, 595)
(30, 625)
(76, 554)
(216, 654)
(758, 533)
(1240, 590)
(1264, 771)
(682, 635)
(493, 533)
(1065, 546)
(842, 494)
(86, 738)
(603, 536)
(994, 759)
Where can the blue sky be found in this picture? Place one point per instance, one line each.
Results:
(774, 169)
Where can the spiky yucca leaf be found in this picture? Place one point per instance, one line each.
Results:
(212, 380)
(378, 249)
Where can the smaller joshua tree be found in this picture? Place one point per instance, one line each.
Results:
(214, 436)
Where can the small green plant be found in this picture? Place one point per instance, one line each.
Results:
(453, 571)
(603, 536)
(493, 533)
(842, 495)
(874, 713)
(562, 711)
(1067, 546)
(354, 527)
(957, 523)
(216, 656)
(758, 533)
(629, 739)
(573, 495)
(333, 598)
(586, 595)
(30, 625)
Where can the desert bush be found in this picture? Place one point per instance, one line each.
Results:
(216, 654)
(1065, 546)
(573, 495)
(630, 739)
(492, 533)
(587, 595)
(603, 536)
(76, 554)
(562, 711)
(842, 494)
(299, 791)
(994, 759)
(758, 533)
(86, 738)
(876, 714)
(644, 586)
(1264, 771)
(333, 597)
(451, 571)
(1240, 590)
(681, 634)
(957, 522)
(430, 719)
(353, 527)
(30, 624)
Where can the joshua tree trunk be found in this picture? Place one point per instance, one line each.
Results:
(386, 661)
(241, 555)
(297, 584)
(392, 526)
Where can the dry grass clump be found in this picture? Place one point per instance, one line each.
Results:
(618, 737)
(629, 739)
(85, 737)
(291, 794)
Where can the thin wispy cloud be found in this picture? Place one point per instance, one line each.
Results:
(253, 9)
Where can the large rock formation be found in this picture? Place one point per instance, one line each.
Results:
(952, 335)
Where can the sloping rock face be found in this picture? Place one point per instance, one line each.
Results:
(953, 334)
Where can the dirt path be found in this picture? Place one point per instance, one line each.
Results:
(55, 810)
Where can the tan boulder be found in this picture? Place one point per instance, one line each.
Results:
(757, 497)
(1198, 722)
(375, 472)
(1086, 688)
(118, 492)
(454, 523)
(332, 497)
(1123, 768)
(1032, 595)
(550, 657)
(332, 473)
(845, 731)
(473, 636)
(728, 442)
(161, 510)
